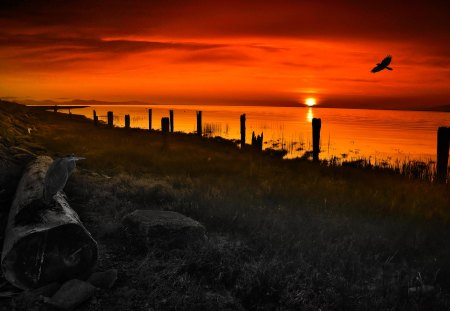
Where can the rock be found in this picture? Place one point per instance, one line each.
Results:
(104, 279)
(224, 301)
(29, 298)
(164, 228)
(71, 294)
(126, 292)
(421, 290)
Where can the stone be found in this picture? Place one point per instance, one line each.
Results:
(221, 301)
(30, 298)
(104, 280)
(164, 228)
(71, 294)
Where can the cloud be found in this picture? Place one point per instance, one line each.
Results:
(47, 51)
(353, 80)
(375, 20)
(221, 56)
(91, 44)
(310, 65)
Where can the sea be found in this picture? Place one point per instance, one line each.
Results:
(378, 136)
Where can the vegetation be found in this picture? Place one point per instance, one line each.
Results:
(283, 234)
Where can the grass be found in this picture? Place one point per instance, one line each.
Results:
(283, 234)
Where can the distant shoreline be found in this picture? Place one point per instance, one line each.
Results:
(443, 108)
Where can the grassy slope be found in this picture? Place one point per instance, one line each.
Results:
(287, 234)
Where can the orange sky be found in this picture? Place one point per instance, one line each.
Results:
(278, 52)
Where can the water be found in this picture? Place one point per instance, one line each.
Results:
(349, 134)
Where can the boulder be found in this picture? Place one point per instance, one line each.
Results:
(104, 280)
(71, 294)
(164, 228)
(30, 299)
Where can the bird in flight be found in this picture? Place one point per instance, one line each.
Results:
(383, 65)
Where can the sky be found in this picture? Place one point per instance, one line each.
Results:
(227, 52)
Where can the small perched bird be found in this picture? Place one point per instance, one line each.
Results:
(57, 175)
(383, 65)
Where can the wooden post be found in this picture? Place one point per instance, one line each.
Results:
(165, 125)
(316, 124)
(149, 119)
(443, 138)
(257, 141)
(127, 121)
(110, 118)
(171, 120)
(199, 123)
(242, 130)
(95, 118)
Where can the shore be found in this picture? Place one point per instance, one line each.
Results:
(282, 234)
(52, 103)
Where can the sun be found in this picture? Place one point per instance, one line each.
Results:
(310, 102)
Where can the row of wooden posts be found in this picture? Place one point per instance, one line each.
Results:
(167, 125)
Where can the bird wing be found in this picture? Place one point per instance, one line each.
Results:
(377, 68)
(386, 61)
(55, 178)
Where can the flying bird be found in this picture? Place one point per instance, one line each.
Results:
(57, 175)
(383, 65)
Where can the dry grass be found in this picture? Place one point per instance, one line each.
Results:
(284, 235)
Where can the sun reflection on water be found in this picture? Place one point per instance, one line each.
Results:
(310, 115)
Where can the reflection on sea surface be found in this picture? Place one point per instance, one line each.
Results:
(310, 115)
(378, 135)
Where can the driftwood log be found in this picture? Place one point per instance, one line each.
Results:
(44, 243)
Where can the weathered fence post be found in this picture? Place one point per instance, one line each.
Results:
(261, 141)
(110, 118)
(95, 118)
(149, 119)
(171, 120)
(199, 123)
(443, 138)
(165, 124)
(127, 121)
(316, 124)
(242, 130)
(257, 141)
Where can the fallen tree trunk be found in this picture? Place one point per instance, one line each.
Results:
(44, 243)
